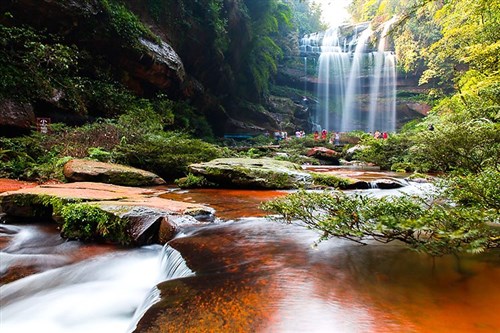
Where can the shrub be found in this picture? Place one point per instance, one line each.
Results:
(468, 146)
(191, 181)
(166, 154)
(330, 180)
(385, 153)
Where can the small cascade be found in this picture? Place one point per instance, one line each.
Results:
(333, 68)
(382, 109)
(172, 266)
(305, 76)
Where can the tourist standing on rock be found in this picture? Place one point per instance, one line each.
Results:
(324, 134)
(316, 135)
(337, 138)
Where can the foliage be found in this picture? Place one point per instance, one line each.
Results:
(306, 17)
(89, 223)
(386, 152)
(125, 23)
(270, 23)
(191, 181)
(330, 180)
(135, 138)
(165, 153)
(427, 224)
(470, 146)
(34, 64)
(481, 191)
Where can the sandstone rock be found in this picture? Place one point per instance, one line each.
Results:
(148, 218)
(16, 117)
(325, 154)
(79, 170)
(252, 173)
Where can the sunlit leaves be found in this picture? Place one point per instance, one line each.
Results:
(430, 224)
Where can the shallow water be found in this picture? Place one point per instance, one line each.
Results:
(248, 275)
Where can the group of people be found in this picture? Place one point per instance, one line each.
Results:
(380, 135)
(334, 137)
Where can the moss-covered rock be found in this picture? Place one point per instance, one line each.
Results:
(104, 213)
(79, 170)
(252, 173)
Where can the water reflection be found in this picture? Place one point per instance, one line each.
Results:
(265, 277)
(251, 275)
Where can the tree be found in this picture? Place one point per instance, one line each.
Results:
(430, 224)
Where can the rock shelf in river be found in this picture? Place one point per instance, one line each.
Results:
(146, 218)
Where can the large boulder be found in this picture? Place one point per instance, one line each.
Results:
(252, 173)
(325, 154)
(16, 117)
(79, 170)
(129, 215)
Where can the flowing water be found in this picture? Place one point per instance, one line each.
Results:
(241, 274)
(356, 81)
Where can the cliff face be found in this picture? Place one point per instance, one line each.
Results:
(184, 50)
(144, 64)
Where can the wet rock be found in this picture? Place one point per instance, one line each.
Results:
(79, 170)
(252, 173)
(387, 184)
(147, 225)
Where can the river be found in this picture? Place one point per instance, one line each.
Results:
(246, 274)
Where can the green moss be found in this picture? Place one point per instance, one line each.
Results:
(330, 180)
(90, 223)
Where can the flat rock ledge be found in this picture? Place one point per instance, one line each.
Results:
(129, 215)
(262, 173)
(80, 170)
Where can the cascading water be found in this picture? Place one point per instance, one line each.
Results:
(382, 109)
(333, 68)
(104, 294)
(356, 88)
(351, 115)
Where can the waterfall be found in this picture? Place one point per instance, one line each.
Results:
(356, 88)
(351, 114)
(333, 67)
(382, 109)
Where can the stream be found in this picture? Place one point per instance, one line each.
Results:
(246, 274)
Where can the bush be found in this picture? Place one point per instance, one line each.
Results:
(330, 180)
(385, 152)
(166, 154)
(191, 181)
(470, 146)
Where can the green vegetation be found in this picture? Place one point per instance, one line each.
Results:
(191, 181)
(86, 222)
(453, 46)
(330, 180)
(433, 224)
(134, 139)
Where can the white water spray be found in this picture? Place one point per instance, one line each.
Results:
(382, 109)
